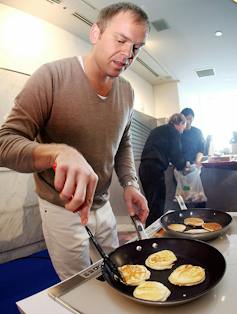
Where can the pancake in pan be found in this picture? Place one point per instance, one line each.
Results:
(177, 227)
(134, 274)
(193, 221)
(151, 291)
(161, 260)
(187, 275)
(212, 226)
(196, 231)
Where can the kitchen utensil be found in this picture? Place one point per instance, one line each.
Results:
(108, 263)
(208, 215)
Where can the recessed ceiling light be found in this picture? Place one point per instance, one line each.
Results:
(219, 33)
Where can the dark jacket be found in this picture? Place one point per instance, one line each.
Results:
(163, 145)
(192, 143)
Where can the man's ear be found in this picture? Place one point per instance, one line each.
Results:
(94, 34)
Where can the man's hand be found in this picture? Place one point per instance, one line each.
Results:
(198, 160)
(136, 203)
(76, 181)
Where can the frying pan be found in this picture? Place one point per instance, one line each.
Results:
(208, 215)
(187, 251)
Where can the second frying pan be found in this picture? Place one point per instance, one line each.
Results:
(208, 215)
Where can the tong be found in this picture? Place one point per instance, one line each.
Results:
(108, 263)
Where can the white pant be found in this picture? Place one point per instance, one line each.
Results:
(68, 241)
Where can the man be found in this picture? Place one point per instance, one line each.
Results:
(163, 146)
(76, 113)
(193, 145)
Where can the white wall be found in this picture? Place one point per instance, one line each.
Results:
(166, 100)
(144, 93)
(27, 42)
(189, 95)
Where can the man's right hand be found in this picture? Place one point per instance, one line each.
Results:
(75, 179)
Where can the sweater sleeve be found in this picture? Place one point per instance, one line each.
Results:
(29, 114)
(124, 159)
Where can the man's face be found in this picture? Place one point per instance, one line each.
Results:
(189, 120)
(181, 127)
(119, 43)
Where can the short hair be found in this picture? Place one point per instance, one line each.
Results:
(176, 119)
(187, 112)
(108, 12)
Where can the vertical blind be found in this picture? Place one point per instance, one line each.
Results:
(140, 129)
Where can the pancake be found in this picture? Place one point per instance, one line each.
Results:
(134, 274)
(161, 260)
(194, 221)
(187, 275)
(212, 226)
(177, 227)
(196, 231)
(151, 291)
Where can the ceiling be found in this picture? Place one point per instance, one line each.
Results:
(174, 54)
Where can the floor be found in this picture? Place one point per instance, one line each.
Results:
(23, 277)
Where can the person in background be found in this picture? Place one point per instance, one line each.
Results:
(162, 146)
(76, 114)
(193, 144)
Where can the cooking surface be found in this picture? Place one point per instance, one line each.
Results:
(86, 295)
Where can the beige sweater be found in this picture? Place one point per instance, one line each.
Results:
(58, 105)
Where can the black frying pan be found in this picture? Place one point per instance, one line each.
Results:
(208, 215)
(187, 252)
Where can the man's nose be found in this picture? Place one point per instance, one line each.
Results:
(128, 50)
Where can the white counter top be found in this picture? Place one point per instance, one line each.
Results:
(221, 299)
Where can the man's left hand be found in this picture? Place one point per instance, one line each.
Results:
(136, 203)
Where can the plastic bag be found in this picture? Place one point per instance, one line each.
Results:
(189, 185)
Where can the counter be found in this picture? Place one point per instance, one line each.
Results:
(232, 164)
(94, 296)
(219, 185)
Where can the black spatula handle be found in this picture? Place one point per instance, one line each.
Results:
(112, 267)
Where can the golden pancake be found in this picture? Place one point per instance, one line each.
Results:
(161, 260)
(177, 227)
(196, 231)
(194, 221)
(134, 274)
(187, 275)
(151, 291)
(212, 226)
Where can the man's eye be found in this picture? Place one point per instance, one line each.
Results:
(136, 49)
(121, 41)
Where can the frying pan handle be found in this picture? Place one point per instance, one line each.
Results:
(141, 232)
(180, 201)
